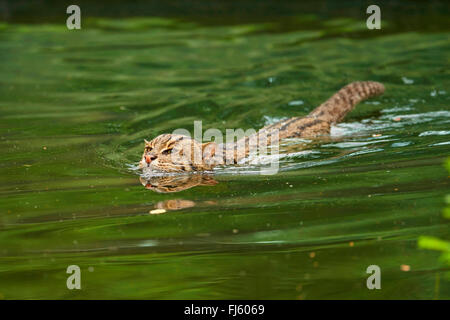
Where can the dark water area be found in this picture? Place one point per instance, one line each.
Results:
(76, 106)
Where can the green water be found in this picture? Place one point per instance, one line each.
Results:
(76, 106)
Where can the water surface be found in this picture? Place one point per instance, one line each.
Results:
(76, 106)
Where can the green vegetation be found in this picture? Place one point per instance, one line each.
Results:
(433, 243)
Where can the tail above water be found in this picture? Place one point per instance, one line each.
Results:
(316, 124)
(342, 102)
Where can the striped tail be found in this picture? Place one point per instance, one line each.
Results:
(342, 102)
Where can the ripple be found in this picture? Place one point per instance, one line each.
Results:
(434, 133)
(397, 109)
(440, 143)
(296, 103)
(407, 81)
(353, 144)
(357, 153)
(401, 144)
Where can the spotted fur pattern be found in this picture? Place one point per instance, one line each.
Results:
(177, 153)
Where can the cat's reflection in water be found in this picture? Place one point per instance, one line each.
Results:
(171, 205)
(176, 183)
(168, 184)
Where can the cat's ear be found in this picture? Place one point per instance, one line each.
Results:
(146, 142)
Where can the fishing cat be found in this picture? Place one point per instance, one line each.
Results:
(178, 153)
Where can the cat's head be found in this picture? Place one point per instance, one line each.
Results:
(175, 153)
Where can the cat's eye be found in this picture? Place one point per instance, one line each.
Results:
(167, 151)
(148, 149)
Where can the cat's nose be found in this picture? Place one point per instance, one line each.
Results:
(149, 159)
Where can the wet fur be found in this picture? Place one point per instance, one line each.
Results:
(177, 153)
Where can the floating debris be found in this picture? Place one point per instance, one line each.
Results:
(405, 267)
(157, 211)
